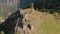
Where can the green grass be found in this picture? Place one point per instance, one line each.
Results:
(50, 27)
(44, 23)
(2, 32)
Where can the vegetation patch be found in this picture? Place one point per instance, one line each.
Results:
(44, 23)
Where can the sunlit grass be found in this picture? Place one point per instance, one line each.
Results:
(44, 23)
(2, 32)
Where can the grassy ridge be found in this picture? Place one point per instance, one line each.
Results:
(43, 23)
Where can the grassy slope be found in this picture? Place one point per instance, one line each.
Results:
(44, 23)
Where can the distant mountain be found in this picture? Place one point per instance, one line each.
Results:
(48, 4)
(5, 10)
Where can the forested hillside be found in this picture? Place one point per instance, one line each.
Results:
(48, 4)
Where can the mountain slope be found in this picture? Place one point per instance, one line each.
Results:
(43, 23)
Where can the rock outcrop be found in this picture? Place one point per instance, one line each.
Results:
(15, 24)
